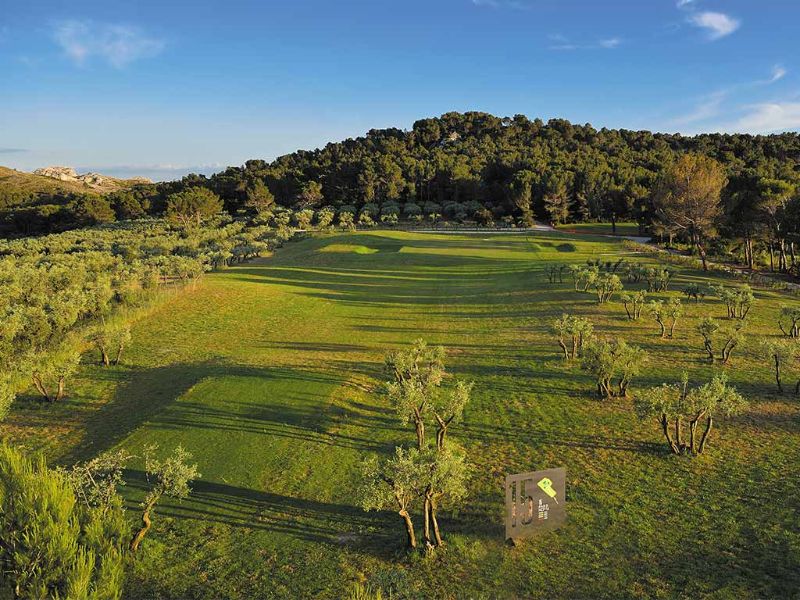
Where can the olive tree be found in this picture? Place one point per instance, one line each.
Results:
(738, 301)
(613, 364)
(694, 292)
(789, 321)
(633, 303)
(443, 479)
(394, 484)
(658, 279)
(606, 286)
(97, 481)
(303, 218)
(677, 408)
(781, 354)
(718, 341)
(325, 217)
(666, 314)
(168, 477)
(346, 221)
(572, 332)
(585, 277)
(448, 407)
(555, 273)
(110, 340)
(416, 373)
(52, 369)
(51, 544)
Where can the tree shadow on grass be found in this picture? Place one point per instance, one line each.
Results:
(301, 518)
(150, 396)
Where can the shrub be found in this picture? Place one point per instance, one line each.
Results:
(52, 545)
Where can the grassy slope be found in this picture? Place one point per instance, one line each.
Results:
(266, 372)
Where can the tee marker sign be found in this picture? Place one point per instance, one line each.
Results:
(535, 502)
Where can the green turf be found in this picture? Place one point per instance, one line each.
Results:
(267, 373)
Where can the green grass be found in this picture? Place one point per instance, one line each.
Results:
(603, 228)
(268, 373)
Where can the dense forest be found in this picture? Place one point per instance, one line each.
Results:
(474, 167)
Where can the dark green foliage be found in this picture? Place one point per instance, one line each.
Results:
(192, 206)
(53, 545)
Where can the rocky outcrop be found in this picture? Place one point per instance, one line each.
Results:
(60, 173)
(93, 180)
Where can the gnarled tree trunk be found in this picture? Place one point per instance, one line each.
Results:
(412, 539)
(146, 524)
(709, 425)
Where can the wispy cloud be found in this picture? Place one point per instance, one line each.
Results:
(683, 3)
(610, 42)
(716, 105)
(117, 45)
(559, 42)
(12, 150)
(767, 117)
(717, 25)
(717, 111)
(778, 73)
(708, 107)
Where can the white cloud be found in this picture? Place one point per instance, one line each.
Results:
(683, 3)
(768, 117)
(718, 25)
(778, 73)
(610, 43)
(559, 42)
(118, 45)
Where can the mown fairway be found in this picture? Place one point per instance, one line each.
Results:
(269, 374)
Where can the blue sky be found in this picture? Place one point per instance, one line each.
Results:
(163, 88)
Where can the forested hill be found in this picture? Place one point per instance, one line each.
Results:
(460, 163)
(478, 166)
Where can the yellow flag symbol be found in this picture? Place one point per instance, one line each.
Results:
(547, 487)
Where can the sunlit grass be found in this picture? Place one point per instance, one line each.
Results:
(269, 374)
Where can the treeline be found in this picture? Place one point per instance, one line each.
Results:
(475, 167)
(63, 293)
